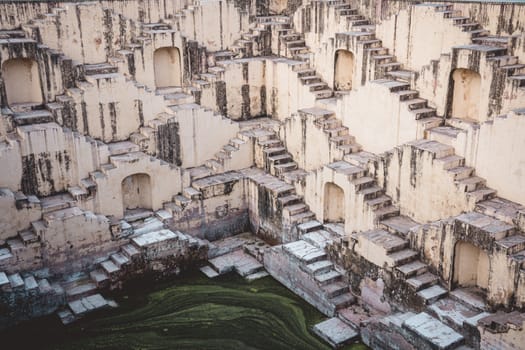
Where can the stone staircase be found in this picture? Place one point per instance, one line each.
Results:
(366, 189)
(282, 202)
(304, 267)
(342, 143)
(239, 261)
(482, 40)
(17, 288)
(463, 176)
(222, 161)
(82, 289)
(274, 35)
(272, 156)
(417, 106)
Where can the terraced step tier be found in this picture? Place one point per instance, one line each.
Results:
(88, 304)
(335, 332)
(39, 116)
(384, 249)
(432, 333)
(487, 228)
(455, 314)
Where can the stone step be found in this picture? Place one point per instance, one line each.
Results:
(338, 132)
(304, 251)
(453, 313)
(296, 209)
(317, 86)
(372, 192)
(87, 304)
(422, 281)
(413, 268)
(406, 94)
(350, 148)
(470, 298)
(352, 172)
(5, 256)
(279, 159)
(30, 284)
(4, 281)
(335, 332)
(342, 140)
(274, 151)
(482, 194)
(280, 189)
(437, 149)
(119, 259)
(379, 202)
(248, 266)
(512, 244)
(33, 117)
(328, 277)
(319, 267)
(335, 289)
(422, 113)
(309, 226)
(363, 182)
(99, 68)
(16, 281)
(386, 241)
(66, 316)
(99, 276)
(325, 93)
(209, 271)
(401, 225)
(432, 332)
(256, 276)
(343, 300)
(123, 147)
(302, 217)
(79, 289)
(284, 168)
(432, 294)
(402, 257)
(450, 162)
(290, 200)
(386, 212)
(319, 238)
(28, 237)
(404, 76)
(485, 227)
(461, 172)
(109, 267)
(200, 172)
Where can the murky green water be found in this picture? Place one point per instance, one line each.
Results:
(190, 312)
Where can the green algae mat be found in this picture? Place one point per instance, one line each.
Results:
(189, 312)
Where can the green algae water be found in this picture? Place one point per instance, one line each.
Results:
(189, 312)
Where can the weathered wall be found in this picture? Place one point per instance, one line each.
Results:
(165, 182)
(54, 70)
(45, 159)
(490, 147)
(408, 33)
(417, 179)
